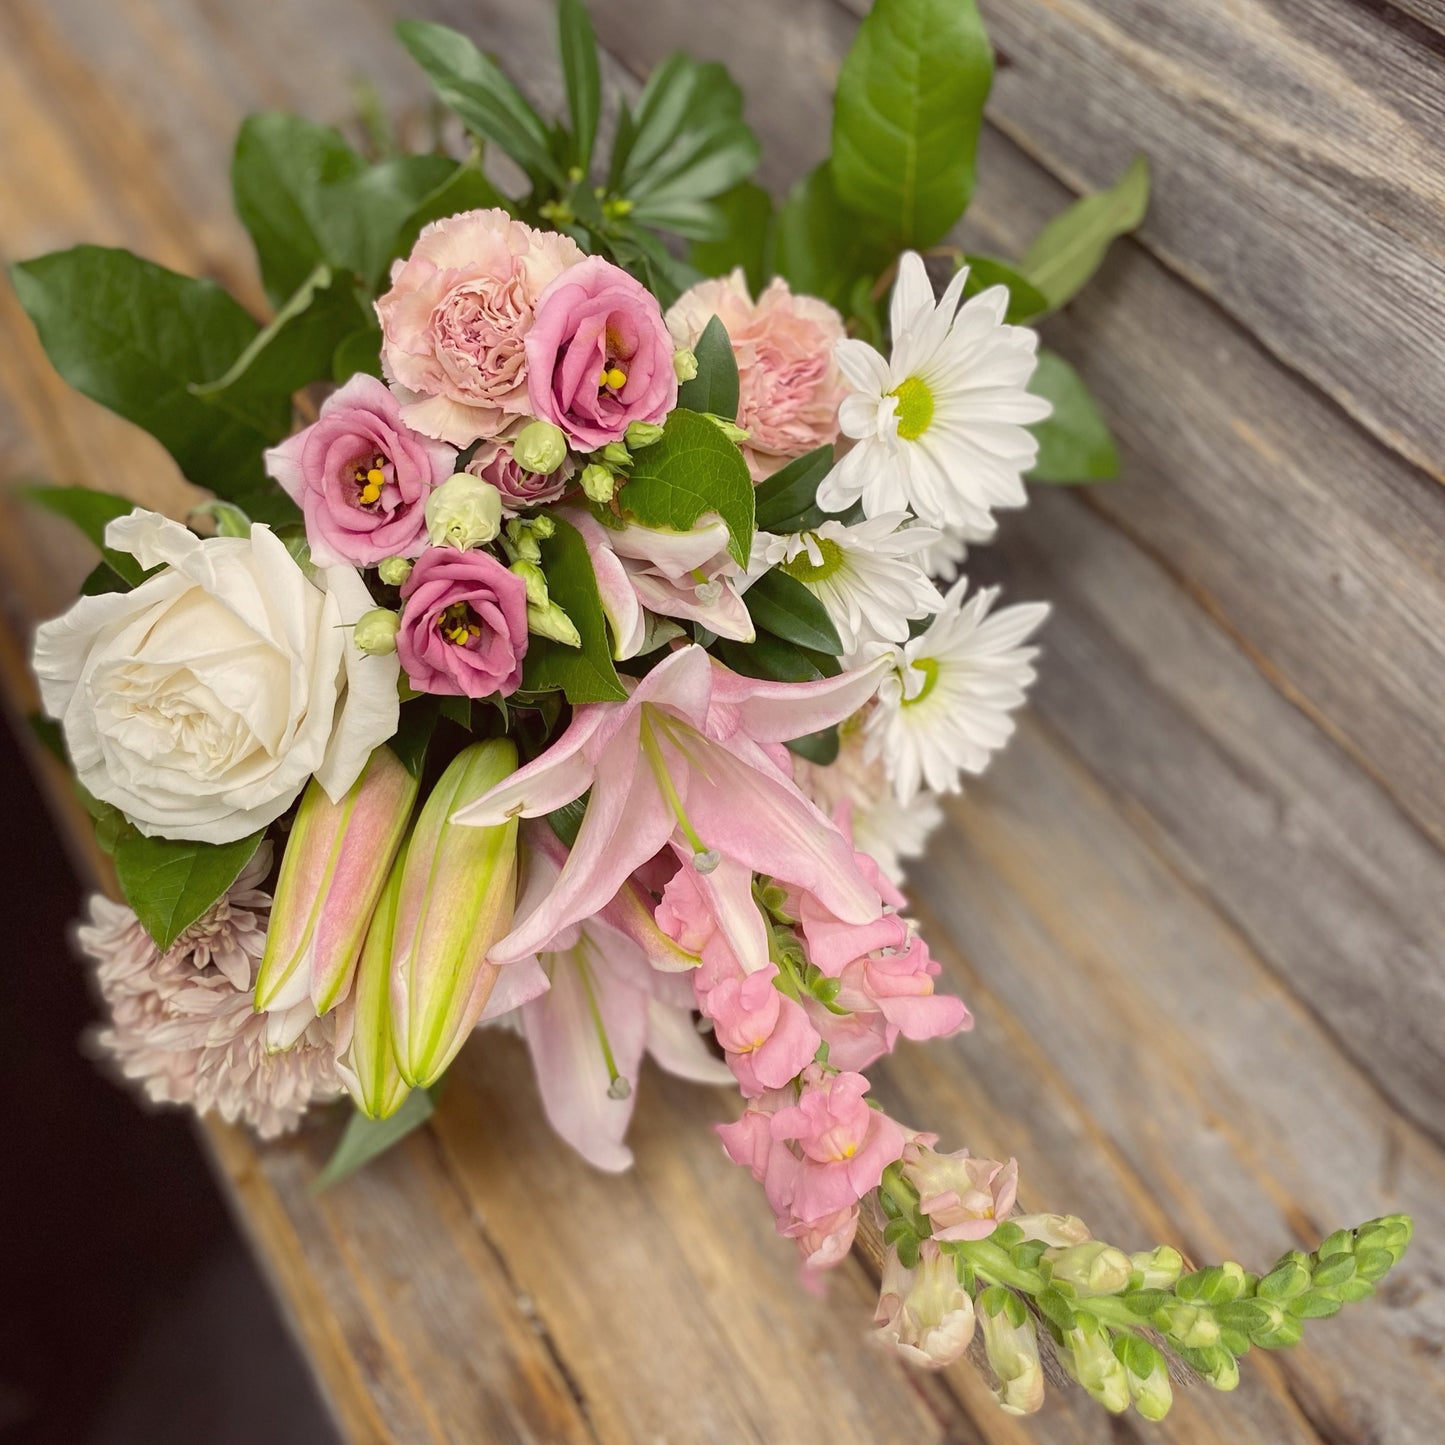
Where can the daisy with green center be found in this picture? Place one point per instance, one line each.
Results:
(944, 708)
(866, 576)
(940, 426)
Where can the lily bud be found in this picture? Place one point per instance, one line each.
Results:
(598, 482)
(1159, 1268)
(1092, 1268)
(641, 434)
(375, 631)
(1147, 1375)
(457, 891)
(924, 1313)
(1012, 1346)
(684, 364)
(332, 874)
(463, 512)
(394, 570)
(1089, 1357)
(540, 447)
(367, 1064)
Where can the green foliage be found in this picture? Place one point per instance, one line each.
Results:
(781, 605)
(582, 75)
(1068, 251)
(566, 821)
(1025, 300)
(586, 673)
(776, 660)
(1074, 442)
(746, 216)
(819, 747)
(366, 1139)
(133, 336)
(787, 500)
(823, 248)
(715, 387)
(358, 350)
(907, 116)
(90, 511)
(465, 189)
(694, 469)
(170, 882)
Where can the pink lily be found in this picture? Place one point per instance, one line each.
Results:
(685, 760)
(673, 574)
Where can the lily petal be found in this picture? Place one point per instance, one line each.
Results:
(778, 712)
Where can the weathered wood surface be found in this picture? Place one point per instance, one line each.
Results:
(1198, 908)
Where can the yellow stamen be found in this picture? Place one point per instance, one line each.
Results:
(615, 377)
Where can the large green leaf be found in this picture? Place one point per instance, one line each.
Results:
(1074, 443)
(133, 336)
(1025, 302)
(465, 189)
(787, 500)
(746, 237)
(363, 215)
(715, 387)
(91, 512)
(694, 469)
(781, 605)
(582, 76)
(487, 103)
(822, 248)
(586, 673)
(170, 883)
(770, 657)
(1071, 247)
(907, 116)
(366, 1139)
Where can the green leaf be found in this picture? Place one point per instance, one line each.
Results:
(413, 734)
(694, 469)
(783, 606)
(90, 511)
(715, 387)
(457, 710)
(823, 248)
(771, 658)
(359, 351)
(1071, 247)
(652, 263)
(466, 189)
(170, 882)
(586, 673)
(746, 237)
(230, 520)
(787, 500)
(1074, 443)
(820, 747)
(907, 116)
(567, 820)
(1025, 301)
(133, 336)
(583, 78)
(481, 95)
(365, 1139)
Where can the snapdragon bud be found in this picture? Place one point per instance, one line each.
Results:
(598, 482)
(394, 570)
(1089, 1357)
(1159, 1268)
(1217, 1366)
(1190, 1325)
(463, 512)
(1012, 1347)
(1056, 1230)
(540, 447)
(375, 631)
(1147, 1375)
(684, 364)
(1091, 1268)
(642, 434)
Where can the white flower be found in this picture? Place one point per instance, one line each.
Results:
(944, 708)
(940, 426)
(866, 575)
(943, 559)
(201, 702)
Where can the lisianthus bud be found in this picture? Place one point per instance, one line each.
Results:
(394, 570)
(730, 429)
(1147, 1375)
(641, 434)
(544, 617)
(375, 631)
(535, 581)
(684, 364)
(615, 454)
(540, 447)
(598, 482)
(1089, 1357)
(925, 1313)
(1159, 1267)
(1013, 1354)
(456, 900)
(1057, 1230)
(463, 512)
(1092, 1268)
(332, 874)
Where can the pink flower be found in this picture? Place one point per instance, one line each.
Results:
(463, 624)
(963, 1197)
(455, 321)
(823, 1243)
(598, 355)
(900, 987)
(493, 462)
(925, 1313)
(767, 1036)
(846, 1145)
(361, 477)
(789, 386)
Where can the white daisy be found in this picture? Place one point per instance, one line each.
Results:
(867, 576)
(941, 425)
(944, 708)
(943, 559)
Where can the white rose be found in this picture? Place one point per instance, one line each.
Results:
(200, 703)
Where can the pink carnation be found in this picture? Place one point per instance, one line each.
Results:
(463, 624)
(789, 385)
(599, 356)
(361, 477)
(493, 462)
(455, 321)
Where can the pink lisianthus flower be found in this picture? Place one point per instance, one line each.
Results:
(673, 574)
(766, 1036)
(493, 462)
(598, 355)
(463, 624)
(789, 385)
(455, 321)
(846, 1146)
(361, 477)
(684, 762)
(963, 1197)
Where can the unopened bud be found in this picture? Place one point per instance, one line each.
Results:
(1147, 1375)
(684, 364)
(534, 581)
(552, 622)
(1055, 1230)
(375, 631)
(463, 512)
(1290, 1277)
(1091, 1268)
(1190, 1325)
(1090, 1359)
(598, 482)
(1013, 1355)
(1217, 1366)
(730, 429)
(642, 434)
(1160, 1268)
(394, 570)
(540, 447)
(616, 455)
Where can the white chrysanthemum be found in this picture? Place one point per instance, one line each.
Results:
(944, 708)
(940, 427)
(182, 1022)
(943, 558)
(866, 576)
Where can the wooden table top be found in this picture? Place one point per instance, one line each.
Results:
(1199, 906)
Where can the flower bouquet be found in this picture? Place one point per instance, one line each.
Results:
(590, 659)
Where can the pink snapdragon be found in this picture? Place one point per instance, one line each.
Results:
(963, 1197)
(766, 1036)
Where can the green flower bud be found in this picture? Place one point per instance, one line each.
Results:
(1089, 1357)
(1160, 1268)
(463, 512)
(1290, 1277)
(684, 364)
(643, 434)
(1192, 1326)
(543, 527)
(550, 621)
(394, 570)
(1216, 1365)
(375, 631)
(1147, 1374)
(1012, 1347)
(540, 447)
(535, 581)
(730, 429)
(616, 455)
(598, 482)
(1091, 1268)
